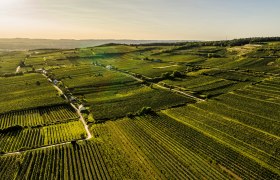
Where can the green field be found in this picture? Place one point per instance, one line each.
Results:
(27, 91)
(192, 110)
(38, 116)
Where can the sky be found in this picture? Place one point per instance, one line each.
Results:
(139, 19)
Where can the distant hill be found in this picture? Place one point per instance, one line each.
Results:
(27, 44)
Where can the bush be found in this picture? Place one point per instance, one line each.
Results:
(12, 128)
(74, 142)
(177, 74)
(165, 75)
(145, 110)
(129, 115)
(83, 136)
(24, 149)
(90, 118)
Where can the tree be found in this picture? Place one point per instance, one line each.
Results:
(22, 63)
(165, 75)
(74, 142)
(129, 115)
(2, 152)
(177, 74)
(83, 136)
(145, 110)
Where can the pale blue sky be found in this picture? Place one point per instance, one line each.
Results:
(139, 19)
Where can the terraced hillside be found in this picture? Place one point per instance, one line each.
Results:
(196, 110)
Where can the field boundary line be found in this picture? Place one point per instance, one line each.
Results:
(42, 147)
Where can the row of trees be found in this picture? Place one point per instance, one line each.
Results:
(234, 42)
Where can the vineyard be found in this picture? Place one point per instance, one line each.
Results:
(61, 162)
(9, 61)
(168, 159)
(89, 75)
(37, 137)
(187, 110)
(130, 100)
(103, 90)
(27, 91)
(152, 146)
(189, 151)
(38, 116)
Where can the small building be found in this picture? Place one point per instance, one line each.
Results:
(109, 67)
(40, 70)
(72, 99)
(83, 109)
(55, 81)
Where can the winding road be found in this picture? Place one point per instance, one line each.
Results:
(77, 110)
(83, 121)
(89, 135)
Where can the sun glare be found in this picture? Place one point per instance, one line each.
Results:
(7, 4)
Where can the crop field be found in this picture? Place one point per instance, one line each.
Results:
(37, 137)
(9, 61)
(176, 150)
(46, 58)
(104, 90)
(126, 100)
(139, 61)
(188, 110)
(240, 121)
(206, 86)
(27, 91)
(38, 116)
(61, 162)
(89, 75)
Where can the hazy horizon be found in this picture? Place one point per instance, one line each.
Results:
(139, 19)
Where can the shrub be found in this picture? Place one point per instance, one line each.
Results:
(74, 142)
(90, 118)
(145, 110)
(165, 75)
(129, 115)
(177, 74)
(12, 128)
(24, 149)
(83, 136)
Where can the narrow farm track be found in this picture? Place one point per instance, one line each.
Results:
(180, 92)
(60, 91)
(77, 110)
(44, 147)
(165, 88)
(83, 121)
(162, 87)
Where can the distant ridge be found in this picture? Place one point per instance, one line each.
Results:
(27, 44)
